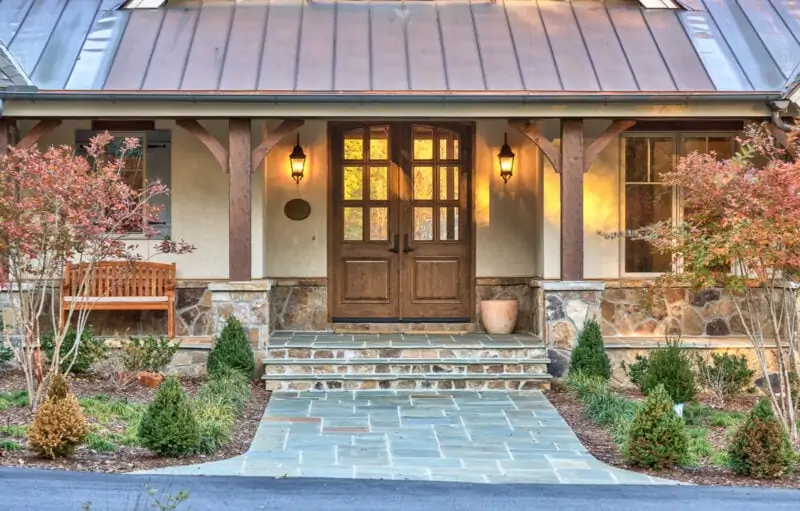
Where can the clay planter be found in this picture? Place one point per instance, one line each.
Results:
(499, 316)
(150, 380)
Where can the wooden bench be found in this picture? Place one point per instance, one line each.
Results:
(122, 285)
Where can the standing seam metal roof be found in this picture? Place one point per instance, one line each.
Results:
(530, 46)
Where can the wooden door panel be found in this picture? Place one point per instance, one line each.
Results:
(367, 281)
(436, 280)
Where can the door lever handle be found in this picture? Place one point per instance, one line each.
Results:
(395, 247)
(406, 246)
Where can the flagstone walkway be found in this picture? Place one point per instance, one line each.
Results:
(463, 436)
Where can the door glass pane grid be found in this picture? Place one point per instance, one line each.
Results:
(365, 187)
(435, 186)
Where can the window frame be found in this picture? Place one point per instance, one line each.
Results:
(678, 144)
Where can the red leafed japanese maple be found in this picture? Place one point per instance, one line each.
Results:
(56, 207)
(740, 231)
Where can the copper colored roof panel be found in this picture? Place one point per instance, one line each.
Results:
(447, 46)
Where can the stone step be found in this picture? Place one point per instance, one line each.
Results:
(405, 328)
(377, 366)
(417, 381)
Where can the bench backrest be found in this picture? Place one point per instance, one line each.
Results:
(120, 279)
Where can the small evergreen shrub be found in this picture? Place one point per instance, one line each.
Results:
(726, 375)
(671, 367)
(589, 355)
(232, 350)
(59, 425)
(657, 436)
(637, 370)
(760, 447)
(169, 426)
(151, 354)
(90, 350)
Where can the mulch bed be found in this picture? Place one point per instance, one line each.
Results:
(600, 444)
(126, 459)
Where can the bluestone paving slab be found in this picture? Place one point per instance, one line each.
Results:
(456, 435)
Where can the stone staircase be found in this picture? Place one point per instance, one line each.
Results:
(332, 361)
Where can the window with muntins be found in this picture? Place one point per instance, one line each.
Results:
(647, 199)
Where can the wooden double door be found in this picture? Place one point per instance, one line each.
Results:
(400, 244)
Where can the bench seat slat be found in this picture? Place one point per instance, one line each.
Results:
(114, 299)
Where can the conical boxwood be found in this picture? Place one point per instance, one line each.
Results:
(589, 355)
(760, 447)
(232, 350)
(657, 436)
(169, 426)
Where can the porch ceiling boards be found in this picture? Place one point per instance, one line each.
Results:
(454, 47)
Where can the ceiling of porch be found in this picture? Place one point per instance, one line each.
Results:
(451, 47)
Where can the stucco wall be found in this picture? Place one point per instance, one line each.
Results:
(199, 200)
(508, 241)
(601, 203)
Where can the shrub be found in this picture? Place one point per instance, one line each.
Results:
(657, 436)
(760, 447)
(589, 355)
(637, 370)
(90, 350)
(582, 385)
(169, 426)
(59, 425)
(602, 405)
(232, 350)
(671, 367)
(726, 375)
(216, 420)
(151, 354)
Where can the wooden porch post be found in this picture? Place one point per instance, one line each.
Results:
(5, 135)
(239, 179)
(572, 167)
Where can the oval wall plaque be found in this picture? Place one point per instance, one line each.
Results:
(297, 209)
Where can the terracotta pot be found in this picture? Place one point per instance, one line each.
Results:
(499, 316)
(150, 380)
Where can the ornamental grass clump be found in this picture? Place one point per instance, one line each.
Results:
(657, 436)
(232, 350)
(59, 425)
(169, 426)
(589, 355)
(760, 447)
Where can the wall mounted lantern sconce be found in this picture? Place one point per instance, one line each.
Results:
(506, 157)
(297, 160)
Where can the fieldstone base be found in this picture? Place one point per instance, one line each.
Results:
(248, 302)
(567, 307)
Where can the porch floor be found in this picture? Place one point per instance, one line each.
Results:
(291, 339)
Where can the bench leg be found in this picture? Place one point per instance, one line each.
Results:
(171, 320)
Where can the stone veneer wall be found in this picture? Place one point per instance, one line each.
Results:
(248, 302)
(299, 304)
(634, 309)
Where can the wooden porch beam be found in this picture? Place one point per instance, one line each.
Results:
(782, 138)
(239, 196)
(41, 129)
(572, 168)
(286, 127)
(216, 148)
(548, 148)
(610, 134)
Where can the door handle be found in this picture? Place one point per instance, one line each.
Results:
(406, 246)
(395, 248)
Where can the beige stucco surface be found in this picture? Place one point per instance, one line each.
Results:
(517, 223)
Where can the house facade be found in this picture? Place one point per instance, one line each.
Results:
(399, 218)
